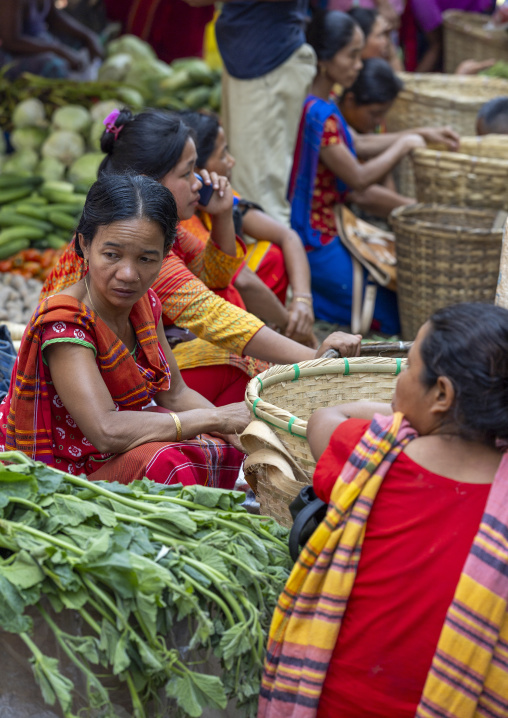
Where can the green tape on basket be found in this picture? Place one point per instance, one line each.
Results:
(399, 366)
(254, 403)
(260, 382)
(346, 367)
(297, 372)
(290, 424)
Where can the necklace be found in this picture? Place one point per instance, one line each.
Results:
(90, 298)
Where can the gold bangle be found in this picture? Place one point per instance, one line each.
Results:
(304, 300)
(178, 425)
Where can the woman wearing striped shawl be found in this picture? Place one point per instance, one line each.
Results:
(397, 606)
(94, 357)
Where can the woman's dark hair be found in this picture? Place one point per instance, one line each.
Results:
(330, 31)
(376, 83)
(494, 114)
(468, 343)
(364, 17)
(113, 198)
(205, 128)
(150, 143)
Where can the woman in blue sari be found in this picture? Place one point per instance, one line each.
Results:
(326, 172)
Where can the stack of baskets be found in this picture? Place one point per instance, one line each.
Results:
(283, 397)
(477, 176)
(466, 36)
(435, 100)
(445, 255)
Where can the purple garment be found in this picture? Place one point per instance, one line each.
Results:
(345, 5)
(429, 13)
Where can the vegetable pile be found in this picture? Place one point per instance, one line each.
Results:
(133, 561)
(19, 297)
(34, 213)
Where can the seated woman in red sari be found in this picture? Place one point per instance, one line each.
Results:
(397, 605)
(95, 355)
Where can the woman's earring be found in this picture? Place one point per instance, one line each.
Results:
(322, 69)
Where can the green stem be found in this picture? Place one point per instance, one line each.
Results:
(139, 711)
(41, 535)
(59, 635)
(16, 457)
(213, 597)
(28, 504)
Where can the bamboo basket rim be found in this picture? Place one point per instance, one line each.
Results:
(284, 420)
(408, 215)
(473, 23)
(423, 154)
(434, 88)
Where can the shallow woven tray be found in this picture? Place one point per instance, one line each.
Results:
(445, 255)
(285, 396)
(465, 38)
(477, 176)
(434, 100)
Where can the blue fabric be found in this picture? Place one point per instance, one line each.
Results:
(331, 265)
(7, 359)
(254, 38)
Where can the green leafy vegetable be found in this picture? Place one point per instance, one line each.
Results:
(138, 562)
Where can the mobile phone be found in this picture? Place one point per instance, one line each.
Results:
(205, 193)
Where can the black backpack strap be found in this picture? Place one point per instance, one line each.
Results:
(300, 521)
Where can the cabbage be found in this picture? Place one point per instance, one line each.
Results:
(146, 76)
(131, 97)
(19, 162)
(71, 117)
(50, 168)
(101, 110)
(64, 145)
(27, 138)
(115, 68)
(133, 46)
(83, 171)
(94, 138)
(29, 113)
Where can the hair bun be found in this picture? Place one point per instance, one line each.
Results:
(115, 124)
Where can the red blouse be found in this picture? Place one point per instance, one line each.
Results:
(418, 536)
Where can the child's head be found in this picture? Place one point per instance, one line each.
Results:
(365, 104)
(492, 118)
(211, 144)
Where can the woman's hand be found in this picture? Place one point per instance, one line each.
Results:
(473, 67)
(301, 320)
(412, 142)
(222, 198)
(232, 418)
(441, 136)
(348, 345)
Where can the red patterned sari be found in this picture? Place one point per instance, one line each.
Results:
(35, 421)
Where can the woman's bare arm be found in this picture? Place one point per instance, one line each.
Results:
(323, 422)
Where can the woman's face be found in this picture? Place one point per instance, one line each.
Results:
(344, 66)
(221, 160)
(183, 183)
(377, 44)
(412, 397)
(124, 260)
(364, 118)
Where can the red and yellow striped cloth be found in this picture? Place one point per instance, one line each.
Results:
(469, 672)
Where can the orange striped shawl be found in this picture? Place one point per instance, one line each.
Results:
(29, 427)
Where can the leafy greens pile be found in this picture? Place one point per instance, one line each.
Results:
(133, 561)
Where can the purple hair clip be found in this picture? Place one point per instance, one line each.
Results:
(109, 122)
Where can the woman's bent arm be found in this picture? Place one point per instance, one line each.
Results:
(344, 165)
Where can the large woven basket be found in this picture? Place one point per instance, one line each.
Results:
(445, 255)
(477, 176)
(284, 397)
(465, 38)
(434, 100)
